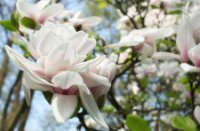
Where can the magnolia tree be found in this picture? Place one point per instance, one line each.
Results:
(147, 80)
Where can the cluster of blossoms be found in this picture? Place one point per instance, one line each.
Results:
(59, 48)
(144, 40)
(60, 65)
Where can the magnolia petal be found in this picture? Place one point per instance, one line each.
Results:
(82, 43)
(166, 56)
(195, 20)
(184, 39)
(91, 21)
(27, 9)
(42, 4)
(26, 66)
(194, 55)
(147, 50)
(59, 58)
(66, 79)
(48, 43)
(92, 80)
(84, 66)
(160, 33)
(77, 38)
(63, 106)
(188, 68)
(87, 46)
(35, 85)
(50, 11)
(128, 41)
(92, 108)
(27, 91)
(197, 113)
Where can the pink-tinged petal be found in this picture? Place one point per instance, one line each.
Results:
(63, 106)
(27, 9)
(92, 108)
(92, 80)
(197, 113)
(129, 40)
(184, 39)
(67, 79)
(27, 66)
(194, 55)
(48, 43)
(188, 68)
(147, 50)
(50, 11)
(91, 21)
(166, 56)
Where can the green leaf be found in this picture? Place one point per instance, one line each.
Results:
(28, 22)
(183, 123)
(14, 18)
(143, 83)
(136, 123)
(102, 5)
(7, 24)
(175, 12)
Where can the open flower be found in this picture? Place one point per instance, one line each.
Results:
(184, 42)
(40, 11)
(84, 22)
(60, 68)
(143, 40)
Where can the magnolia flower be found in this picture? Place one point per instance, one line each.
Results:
(194, 56)
(40, 11)
(184, 42)
(60, 68)
(84, 22)
(143, 40)
(197, 113)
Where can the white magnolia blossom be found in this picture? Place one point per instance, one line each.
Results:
(84, 22)
(197, 113)
(144, 40)
(40, 11)
(77, 20)
(60, 68)
(184, 42)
